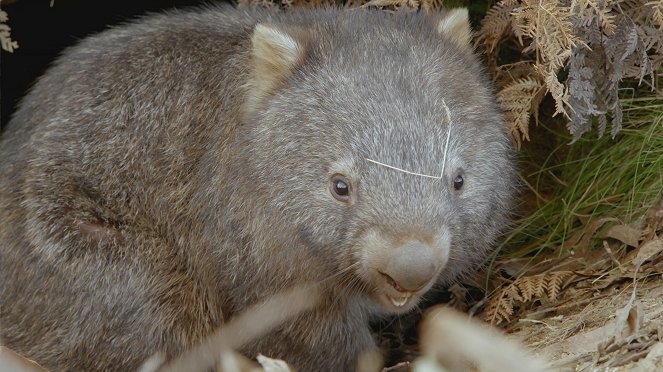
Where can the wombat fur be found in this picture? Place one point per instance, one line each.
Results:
(166, 174)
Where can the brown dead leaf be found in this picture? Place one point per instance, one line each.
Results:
(634, 319)
(581, 239)
(625, 234)
(629, 318)
(648, 251)
(654, 219)
(655, 213)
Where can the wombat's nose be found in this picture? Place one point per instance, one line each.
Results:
(411, 267)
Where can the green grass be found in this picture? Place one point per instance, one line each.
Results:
(569, 186)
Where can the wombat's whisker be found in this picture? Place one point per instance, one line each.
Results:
(341, 271)
(403, 170)
(354, 285)
(348, 282)
(446, 145)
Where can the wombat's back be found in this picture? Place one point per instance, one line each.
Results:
(140, 96)
(95, 168)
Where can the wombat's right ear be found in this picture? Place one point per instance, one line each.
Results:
(274, 54)
(455, 25)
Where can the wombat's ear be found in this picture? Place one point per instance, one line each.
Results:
(274, 54)
(455, 25)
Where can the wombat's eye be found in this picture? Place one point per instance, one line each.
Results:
(458, 182)
(340, 187)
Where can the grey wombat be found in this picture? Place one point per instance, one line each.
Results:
(164, 175)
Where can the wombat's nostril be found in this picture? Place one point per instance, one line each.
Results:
(410, 267)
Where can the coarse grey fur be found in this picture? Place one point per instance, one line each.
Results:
(143, 201)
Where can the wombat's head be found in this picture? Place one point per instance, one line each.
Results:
(377, 140)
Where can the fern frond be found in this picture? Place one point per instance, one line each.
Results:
(500, 310)
(556, 282)
(657, 13)
(6, 41)
(549, 26)
(394, 4)
(589, 13)
(524, 290)
(496, 24)
(518, 99)
(430, 5)
(556, 89)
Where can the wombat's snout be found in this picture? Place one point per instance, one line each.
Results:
(402, 267)
(410, 267)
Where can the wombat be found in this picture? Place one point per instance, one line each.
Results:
(168, 173)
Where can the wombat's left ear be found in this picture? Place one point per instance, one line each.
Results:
(455, 25)
(274, 54)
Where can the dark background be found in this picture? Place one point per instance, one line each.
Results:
(42, 32)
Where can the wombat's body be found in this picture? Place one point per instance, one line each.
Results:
(164, 175)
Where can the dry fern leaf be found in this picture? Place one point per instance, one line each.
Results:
(512, 72)
(657, 13)
(595, 70)
(556, 89)
(429, 5)
(590, 91)
(500, 307)
(394, 4)
(587, 12)
(557, 282)
(525, 290)
(5, 34)
(495, 25)
(518, 100)
(549, 25)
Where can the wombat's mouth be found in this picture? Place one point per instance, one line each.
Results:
(402, 300)
(397, 298)
(396, 301)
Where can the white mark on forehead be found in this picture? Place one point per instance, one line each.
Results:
(444, 156)
(446, 145)
(403, 170)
